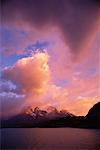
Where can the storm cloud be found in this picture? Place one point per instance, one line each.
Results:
(76, 20)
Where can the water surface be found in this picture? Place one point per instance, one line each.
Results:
(50, 138)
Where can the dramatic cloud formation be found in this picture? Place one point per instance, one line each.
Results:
(30, 74)
(30, 84)
(77, 20)
(66, 74)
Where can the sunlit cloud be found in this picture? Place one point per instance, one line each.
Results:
(32, 77)
(66, 74)
(31, 74)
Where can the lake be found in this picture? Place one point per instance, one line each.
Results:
(50, 138)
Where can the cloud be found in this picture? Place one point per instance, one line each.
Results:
(70, 27)
(20, 40)
(35, 86)
(30, 74)
(32, 77)
(7, 86)
(83, 104)
(77, 20)
(11, 103)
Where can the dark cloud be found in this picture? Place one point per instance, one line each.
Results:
(7, 86)
(11, 103)
(76, 19)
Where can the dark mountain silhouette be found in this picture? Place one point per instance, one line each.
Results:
(93, 116)
(53, 118)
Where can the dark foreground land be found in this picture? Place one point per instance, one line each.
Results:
(40, 118)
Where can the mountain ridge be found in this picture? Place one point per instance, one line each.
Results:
(53, 118)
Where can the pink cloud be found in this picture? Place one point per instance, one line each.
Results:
(30, 74)
(33, 77)
(11, 104)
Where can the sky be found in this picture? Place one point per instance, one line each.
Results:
(49, 55)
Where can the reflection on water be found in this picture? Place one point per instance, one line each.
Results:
(50, 138)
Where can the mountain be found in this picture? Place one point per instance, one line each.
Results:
(39, 118)
(53, 118)
(93, 116)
